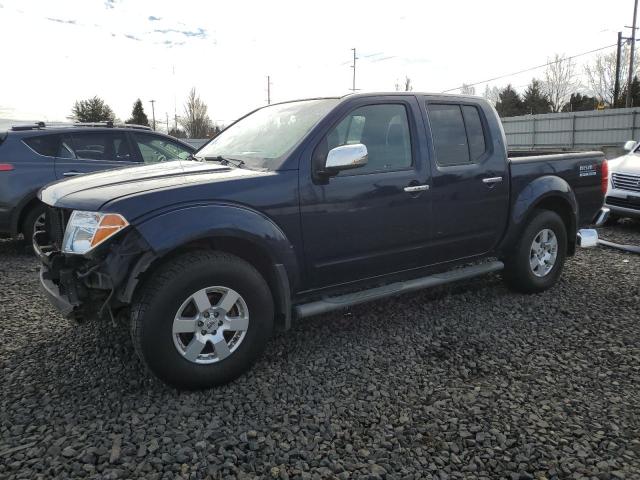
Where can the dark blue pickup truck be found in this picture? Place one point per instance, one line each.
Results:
(305, 207)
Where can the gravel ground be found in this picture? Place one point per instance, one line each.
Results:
(468, 381)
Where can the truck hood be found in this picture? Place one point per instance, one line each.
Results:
(92, 191)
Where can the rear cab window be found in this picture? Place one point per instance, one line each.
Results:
(459, 136)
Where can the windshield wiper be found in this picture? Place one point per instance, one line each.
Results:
(236, 162)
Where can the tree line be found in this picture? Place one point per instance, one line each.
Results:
(194, 123)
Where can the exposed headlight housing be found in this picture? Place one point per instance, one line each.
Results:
(87, 230)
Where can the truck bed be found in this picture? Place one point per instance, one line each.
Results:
(581, 170)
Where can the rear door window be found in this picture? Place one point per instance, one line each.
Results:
(449, 135)
(46, 145)
(459, 137)
(102, 146)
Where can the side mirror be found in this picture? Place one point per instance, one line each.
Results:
(346, 157)
(629, 145)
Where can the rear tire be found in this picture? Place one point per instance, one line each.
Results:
(173, 326)
(33, 219)
(535, 264)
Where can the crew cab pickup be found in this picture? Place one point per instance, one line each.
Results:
(305, 207)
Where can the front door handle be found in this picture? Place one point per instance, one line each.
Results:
(70, 174)
(416, 188)
(491, 180)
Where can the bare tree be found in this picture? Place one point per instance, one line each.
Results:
(405, 87)
(467, 89)
(196, 121)
(601, 74)
(559, 81)
(492, 94)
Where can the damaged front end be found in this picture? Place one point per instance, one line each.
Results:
(85, 285)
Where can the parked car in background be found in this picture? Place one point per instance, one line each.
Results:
(623, 194)
(33, 155)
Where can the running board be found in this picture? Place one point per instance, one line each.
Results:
(343, 301)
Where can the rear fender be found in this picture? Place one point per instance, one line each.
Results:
(549, 192)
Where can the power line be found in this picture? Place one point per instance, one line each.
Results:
(532, 68)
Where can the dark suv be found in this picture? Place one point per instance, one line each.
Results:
(33, 155)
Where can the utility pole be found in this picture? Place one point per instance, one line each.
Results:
(153, 113)
(633, 48)
(616, 88)
(268, 90)
(353, 87)
(175, 120)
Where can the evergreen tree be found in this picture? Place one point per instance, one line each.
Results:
(92, 110)
(534, 100)
(580, 103)
(509, 103)
(138, 117)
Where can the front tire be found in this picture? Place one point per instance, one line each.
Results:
(202, 319)
(536, 261)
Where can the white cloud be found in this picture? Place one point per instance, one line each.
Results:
(57, 52)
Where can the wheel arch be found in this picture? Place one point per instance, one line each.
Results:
(22, 210)
(545, 193)
(263, 245)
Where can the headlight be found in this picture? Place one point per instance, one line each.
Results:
(87, 230)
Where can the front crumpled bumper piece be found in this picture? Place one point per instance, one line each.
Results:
(52, 292)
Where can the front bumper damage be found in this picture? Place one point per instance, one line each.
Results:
(86, 286)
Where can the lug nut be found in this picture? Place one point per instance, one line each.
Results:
(203, 332)
(206, 314)
(216, 314)
(220, 323)
(215, 331)
(200, 323)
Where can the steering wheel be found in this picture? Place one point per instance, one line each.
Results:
(161, 158)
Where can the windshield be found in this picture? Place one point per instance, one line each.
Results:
(265, 136)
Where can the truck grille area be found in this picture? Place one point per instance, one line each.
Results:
(623, 181)
(50, 239)
(622, 202)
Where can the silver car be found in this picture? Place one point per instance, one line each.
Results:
(623, 194)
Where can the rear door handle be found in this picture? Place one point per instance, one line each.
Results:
(416, 188)
(491, 180)
(70, 174)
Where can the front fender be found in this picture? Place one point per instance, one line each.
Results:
(172, 229)
(540, 190)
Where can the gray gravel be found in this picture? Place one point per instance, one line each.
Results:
(469, 381)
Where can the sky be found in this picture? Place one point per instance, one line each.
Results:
(55, 52)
